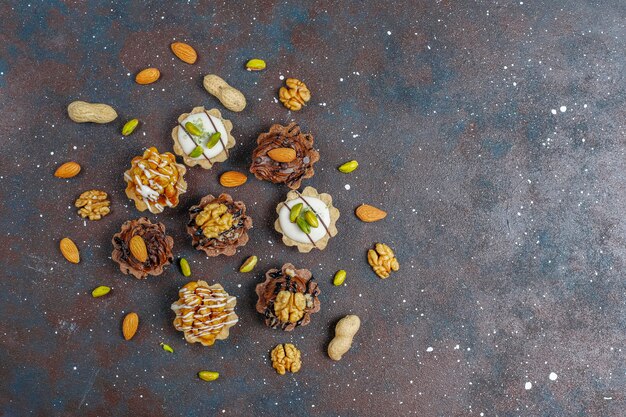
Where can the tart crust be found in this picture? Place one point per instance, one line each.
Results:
(332, 229)
(203, 162)
(229, 248)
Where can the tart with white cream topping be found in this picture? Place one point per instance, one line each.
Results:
(307, 220)
(203, 137)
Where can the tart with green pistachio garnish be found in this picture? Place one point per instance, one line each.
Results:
(203, 137)
(307, 219)
(219, 225)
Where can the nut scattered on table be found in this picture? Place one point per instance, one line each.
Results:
(230, 97)
(294, 95)
(67, 170)
(147, 76)
(382, 260)
(286, 357)
(369, 214)
(184, 52)
(130, 325)
(345, 330)
(93, 204)
(69, 250)
(83, 112)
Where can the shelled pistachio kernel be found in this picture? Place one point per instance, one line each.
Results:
(100, 291)
(130, 126)
(303, 225)
(167, 348)
(193, 129)
(249, 264)
(311, 219)
(215, 137)
(348, 167)
(208, 375)
(255, 65)
(184, 267)
(295, 212)
(339, 278)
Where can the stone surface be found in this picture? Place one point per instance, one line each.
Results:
(491, 131)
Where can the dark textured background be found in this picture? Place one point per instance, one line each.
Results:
(505, 212)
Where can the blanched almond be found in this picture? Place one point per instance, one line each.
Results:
(369, 214)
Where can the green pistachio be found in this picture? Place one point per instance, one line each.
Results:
(100, 291)
(167, 348)
(184, 267)
(249, 264)
(208, 375)
(339, 278)
(311, 218)
(295, 212)
(348, 167)
(303, 225)
(130, 127)
(193, 129)
(255, 65)
(196, 152)
(215, 137)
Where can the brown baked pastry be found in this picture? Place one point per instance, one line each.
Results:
(219, 225)
(158, 245)
(288, 297)
(155, 181)
(290, 173)
(204, 313)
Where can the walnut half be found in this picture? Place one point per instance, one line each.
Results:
(93, 204)
(286, 357)
(289, 306)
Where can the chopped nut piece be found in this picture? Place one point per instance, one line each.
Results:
(93, 204)
(286, 357)
(382, 260)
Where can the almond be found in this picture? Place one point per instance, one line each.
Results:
(233, 179)
(147, 76)
(138, 248)
(69, 250)
(130, 325)
(369, 213)
(282, 154)
(67, 170)
(184, 52)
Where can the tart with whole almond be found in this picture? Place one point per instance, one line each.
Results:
(307, 220)
(155, 181)
(203, 137)
(204, 313)
(284, 155)
(155, 253)
(288, 297)
(219, 225)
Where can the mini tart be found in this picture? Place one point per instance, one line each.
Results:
(321, 205)
(204, 313)
(219, 225)
(288, 297)
(158, 244)
(155, 181)
(209, 121)
(290, 173)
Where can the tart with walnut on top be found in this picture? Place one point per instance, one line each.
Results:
(284, 155)
(288, 297)
(219, 225)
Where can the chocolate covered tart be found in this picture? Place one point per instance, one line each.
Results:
(288, 297)
(284, 155)
(218, 225)
(158, 248)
